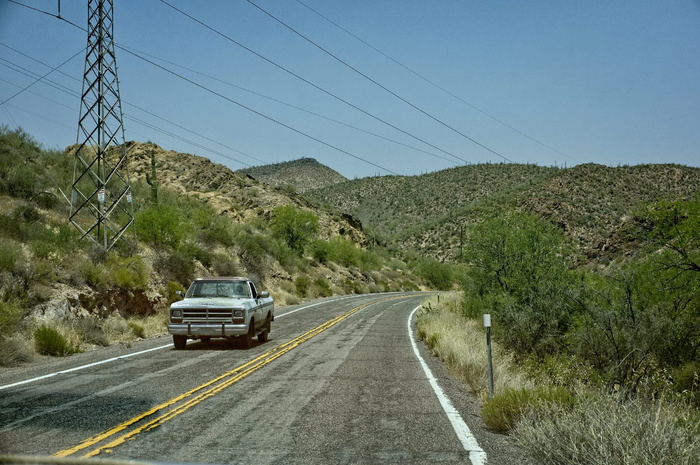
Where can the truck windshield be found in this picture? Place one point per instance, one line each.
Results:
(221, 288)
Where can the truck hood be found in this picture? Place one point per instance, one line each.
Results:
(210, 302)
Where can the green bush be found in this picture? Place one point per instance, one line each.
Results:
(171, 289)
(324, 287)
(520, 270)
(321, 251)
(507, 408)
(223, 265)
(128, 273)
(50, 341)
(11, 313)
(302, 284)
(295, 226)
(344, 252)
(440, 276)
(176, 266)
(162, 225)
(138, 329)
(10, 253)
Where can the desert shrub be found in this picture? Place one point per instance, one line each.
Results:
(90, 330)
(138, 329)
(162, 225)
(324, 287)
(50, 341)
(635, 321)
(130, 273)
(438, 275)
(223, 265)
(11, 314)
(253, 251)
(562, 369)
(605, 430)
(320, 251)
(213, 229)
(22, 181)
(14, 350)
(176, 266)
(201, 254)
(171, 289)
(295, 226)
(520, 270)
(10, 253)
(344, 252)
(507, 408)
(301, 285)
(55, 242)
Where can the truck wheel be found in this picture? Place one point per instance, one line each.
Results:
(179, 341)
(262, 337)
(248, 338)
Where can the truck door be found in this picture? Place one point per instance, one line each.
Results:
(259, 317)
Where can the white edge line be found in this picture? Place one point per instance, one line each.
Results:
(50, 375)
(82, 367)
(477, 456)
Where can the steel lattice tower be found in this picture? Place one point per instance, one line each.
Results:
(101, 206)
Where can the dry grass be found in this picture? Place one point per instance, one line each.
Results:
(461, 345)
(556, 425)
(604, 430)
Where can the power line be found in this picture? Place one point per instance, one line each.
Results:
(432, 83)
(373, 81)
(57, 86)
(327, 118)
(75, 94)
(308, 82)
(224, 97)
(269, 118)
(39, 79)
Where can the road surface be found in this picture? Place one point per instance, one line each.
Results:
(341, 381)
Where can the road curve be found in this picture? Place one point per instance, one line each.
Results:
(339, 381)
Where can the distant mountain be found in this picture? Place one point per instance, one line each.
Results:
(300, 175)
(429, 213)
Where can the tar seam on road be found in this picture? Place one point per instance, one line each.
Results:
(176, 404)
(477, 456)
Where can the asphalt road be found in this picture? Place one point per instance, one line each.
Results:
(340, 381)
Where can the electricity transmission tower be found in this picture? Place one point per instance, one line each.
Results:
(101, 204)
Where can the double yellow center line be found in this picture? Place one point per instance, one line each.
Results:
(170, 409)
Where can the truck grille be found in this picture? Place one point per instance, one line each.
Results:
(207, 315)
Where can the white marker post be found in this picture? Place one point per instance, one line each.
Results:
(487, 325)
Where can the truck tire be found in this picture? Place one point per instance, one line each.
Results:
(248, 338)
(179, 341)
(262, 337)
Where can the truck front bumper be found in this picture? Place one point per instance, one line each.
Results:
(207, 330)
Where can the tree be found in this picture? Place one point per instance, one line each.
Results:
(296, 227)
(519, 269)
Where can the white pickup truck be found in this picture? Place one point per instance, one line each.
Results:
(221, 308)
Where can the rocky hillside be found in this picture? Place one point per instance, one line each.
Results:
(429, 213)
(207, 220)
(235, 194)
(299, 175)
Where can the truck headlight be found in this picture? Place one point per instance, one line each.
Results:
(176, 313)
(238, 313)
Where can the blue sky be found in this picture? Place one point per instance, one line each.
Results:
(455, 81)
